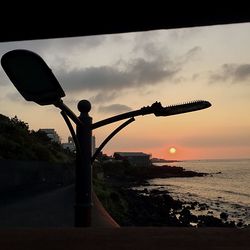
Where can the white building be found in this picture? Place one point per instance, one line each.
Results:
(70, 145)
(51, 133)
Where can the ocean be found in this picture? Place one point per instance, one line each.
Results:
(225, 189)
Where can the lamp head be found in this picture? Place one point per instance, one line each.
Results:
(32, 77)
(158, 110)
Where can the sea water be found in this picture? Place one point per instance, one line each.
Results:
(225, 189)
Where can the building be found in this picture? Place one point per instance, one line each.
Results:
(70, 145)
(137, 159)
(51, 133)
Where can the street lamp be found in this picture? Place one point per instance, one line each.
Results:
(36, 82)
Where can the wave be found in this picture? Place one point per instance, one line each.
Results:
(236, 193)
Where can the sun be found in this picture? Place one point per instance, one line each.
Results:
(172, 150)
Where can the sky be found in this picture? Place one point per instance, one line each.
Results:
(122, 72)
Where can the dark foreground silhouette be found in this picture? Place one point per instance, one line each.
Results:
(130, 206)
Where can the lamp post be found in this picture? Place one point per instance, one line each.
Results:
(36, 82)
(83, 188)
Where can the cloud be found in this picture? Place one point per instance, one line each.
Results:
(138, 72)
(152, 66)
(237, 139)
(4, 80)
(93, 78)
(150, 50)
(234, 73)
(183, 35)
(114, 108)
(66, 44)
(103, 97)
(148, 72)
(59, 47)
(143, 38)
(161, 54)
(16, 96)
(191, 54)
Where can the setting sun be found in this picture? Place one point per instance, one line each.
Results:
(172, 150)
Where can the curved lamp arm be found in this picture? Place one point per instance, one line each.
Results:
(110, 137)
(71, 129)
(59, 104)
(157, 109)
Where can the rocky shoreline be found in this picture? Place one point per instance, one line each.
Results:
(133, 206)
(158, 208)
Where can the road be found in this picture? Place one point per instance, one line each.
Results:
(45, 221)
(52, 209)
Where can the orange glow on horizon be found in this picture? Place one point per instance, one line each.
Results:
(191, 153)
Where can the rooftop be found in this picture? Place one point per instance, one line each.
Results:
(131, 154)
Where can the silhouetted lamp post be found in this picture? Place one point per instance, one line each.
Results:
(36, 82)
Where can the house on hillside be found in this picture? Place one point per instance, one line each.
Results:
(70, 145)
(137, 159)
(52, 134)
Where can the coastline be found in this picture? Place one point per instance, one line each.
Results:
(132, 202)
